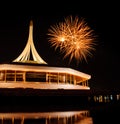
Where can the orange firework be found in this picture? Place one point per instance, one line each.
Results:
(74, 38)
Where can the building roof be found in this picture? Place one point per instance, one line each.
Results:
(25, 56)
(43, 68)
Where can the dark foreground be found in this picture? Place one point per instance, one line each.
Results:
(29, 100)
(58, 92)
(43, 100)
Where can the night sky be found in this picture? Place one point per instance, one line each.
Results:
(103, 66)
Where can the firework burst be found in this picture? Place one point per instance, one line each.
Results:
(74, 38)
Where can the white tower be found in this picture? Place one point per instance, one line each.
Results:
(25, 56)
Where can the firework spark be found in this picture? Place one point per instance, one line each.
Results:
(74, 38)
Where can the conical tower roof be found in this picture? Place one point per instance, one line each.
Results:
(30, 50)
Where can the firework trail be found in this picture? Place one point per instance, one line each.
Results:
(74, 38)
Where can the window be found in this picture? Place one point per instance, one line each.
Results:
(36, 76)
(10, 75)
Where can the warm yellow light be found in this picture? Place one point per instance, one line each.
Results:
(62, 39)
(77, 36)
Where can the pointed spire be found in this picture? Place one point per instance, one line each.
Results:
(29, 49)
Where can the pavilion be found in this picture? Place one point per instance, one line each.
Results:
(29, 70)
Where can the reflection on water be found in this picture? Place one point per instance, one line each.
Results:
(57, 117)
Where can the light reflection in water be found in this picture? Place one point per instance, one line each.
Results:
(60, 117)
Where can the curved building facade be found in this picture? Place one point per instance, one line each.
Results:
(26, 73)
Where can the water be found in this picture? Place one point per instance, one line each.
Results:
(106, 113)
(55, 117)
(71, 112)
(100, 114)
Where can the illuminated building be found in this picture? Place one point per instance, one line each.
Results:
(35, 73)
